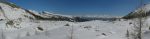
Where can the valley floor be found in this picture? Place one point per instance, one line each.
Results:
(66, 30)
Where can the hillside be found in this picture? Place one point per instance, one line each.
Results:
(143, 11)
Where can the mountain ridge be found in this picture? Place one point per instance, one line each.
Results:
(143, 11)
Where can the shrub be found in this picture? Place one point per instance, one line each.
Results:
(104, 34)
(40, 28)
(88, 27)
(10, 22)
(67, 25)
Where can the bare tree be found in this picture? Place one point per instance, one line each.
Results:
(2, 34)
(136, 30)
(72, 32)
(140, 28)
(127, 35)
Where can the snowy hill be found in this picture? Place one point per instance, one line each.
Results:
(140, 12)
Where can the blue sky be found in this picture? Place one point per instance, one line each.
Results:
(81, 7)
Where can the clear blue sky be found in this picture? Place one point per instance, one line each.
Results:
(81, 7)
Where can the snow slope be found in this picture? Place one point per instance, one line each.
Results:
(11, 13)
(58, 30)
(143, 11)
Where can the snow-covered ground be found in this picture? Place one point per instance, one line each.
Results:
(95, 29)
(67, 30)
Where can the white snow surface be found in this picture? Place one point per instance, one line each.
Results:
(57, 30)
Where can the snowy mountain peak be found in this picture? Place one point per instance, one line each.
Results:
(10, 13)
(140, 12)
(146, 7)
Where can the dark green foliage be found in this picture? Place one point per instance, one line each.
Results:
(10, 22)
(67, 25)
(88, 27)
(28, 17)
(104, 34)
(130, 23)
(79, 19)
(1, 19)
(129, 16)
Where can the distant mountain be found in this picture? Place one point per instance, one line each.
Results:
(10, 11)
